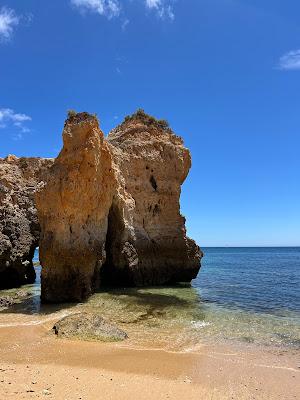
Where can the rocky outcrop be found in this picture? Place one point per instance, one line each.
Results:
(19, 228)
(110, 211)
(88, 326)
(73, 210)
(146, 241)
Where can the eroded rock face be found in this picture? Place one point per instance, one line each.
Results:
(109, 211)
(73, 209)
(146, 241)
(19, 228)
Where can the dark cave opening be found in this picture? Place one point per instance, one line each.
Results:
(115, 270)
(153, 182)
(18, 271)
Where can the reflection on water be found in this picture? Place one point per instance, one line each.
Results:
(185, 316)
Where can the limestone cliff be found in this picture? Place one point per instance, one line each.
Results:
(19, 228)
(73, 209)
(146, 241)
(109, 210)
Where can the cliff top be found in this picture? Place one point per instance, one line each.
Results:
(139, 116)
(145, 119)
(78, 117)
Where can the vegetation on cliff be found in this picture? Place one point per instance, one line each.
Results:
(141, 116)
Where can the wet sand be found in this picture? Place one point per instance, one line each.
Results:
(36, 364)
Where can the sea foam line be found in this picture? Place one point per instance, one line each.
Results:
(34, 323)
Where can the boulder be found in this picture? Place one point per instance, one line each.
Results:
(73, 209)
(19, 227)
(88, 326)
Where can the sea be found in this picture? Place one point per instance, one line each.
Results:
(242, 295)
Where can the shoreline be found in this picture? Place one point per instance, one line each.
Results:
(75, 369)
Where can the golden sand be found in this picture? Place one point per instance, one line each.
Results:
(36, 364)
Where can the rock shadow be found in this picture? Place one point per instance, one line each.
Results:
(144, 296)
(32, 306)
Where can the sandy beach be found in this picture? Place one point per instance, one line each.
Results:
(36, 364)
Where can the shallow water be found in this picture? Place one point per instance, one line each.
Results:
(244, 295)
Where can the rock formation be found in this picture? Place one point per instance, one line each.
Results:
(110, 211)
(73, 210)
(19, 228)
(146, 241)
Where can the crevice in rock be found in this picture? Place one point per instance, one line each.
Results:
(156, 210)
(153, 182)
(30, 271)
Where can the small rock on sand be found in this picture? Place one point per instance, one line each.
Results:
(88, 326)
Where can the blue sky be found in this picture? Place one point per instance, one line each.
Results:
(225, 73)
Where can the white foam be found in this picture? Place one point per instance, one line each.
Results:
(200, 324)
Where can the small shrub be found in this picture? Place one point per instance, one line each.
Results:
(147, 119)
(72, 113)
(164, 124)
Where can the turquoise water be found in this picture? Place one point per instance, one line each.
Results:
(260, 280)
(253, 292)
(241, 295)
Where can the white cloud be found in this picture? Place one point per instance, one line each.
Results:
(113, 8)
(107, 8)
(8, 21)
(124, 24)
(153, 3)
(162, 7)
(290, 60)
(10, 118)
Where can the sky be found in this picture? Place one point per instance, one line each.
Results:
(224, 73)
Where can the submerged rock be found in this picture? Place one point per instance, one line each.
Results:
(19, 227)
(6, 301)
(73, 209)
(88, 326)
(13, 298)
(146, 241)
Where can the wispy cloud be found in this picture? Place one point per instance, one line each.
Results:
(115, 8)
(124, 24)
(163, 8)
(107, 8)
(290, 61)
(9, 118)
(8, 22)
